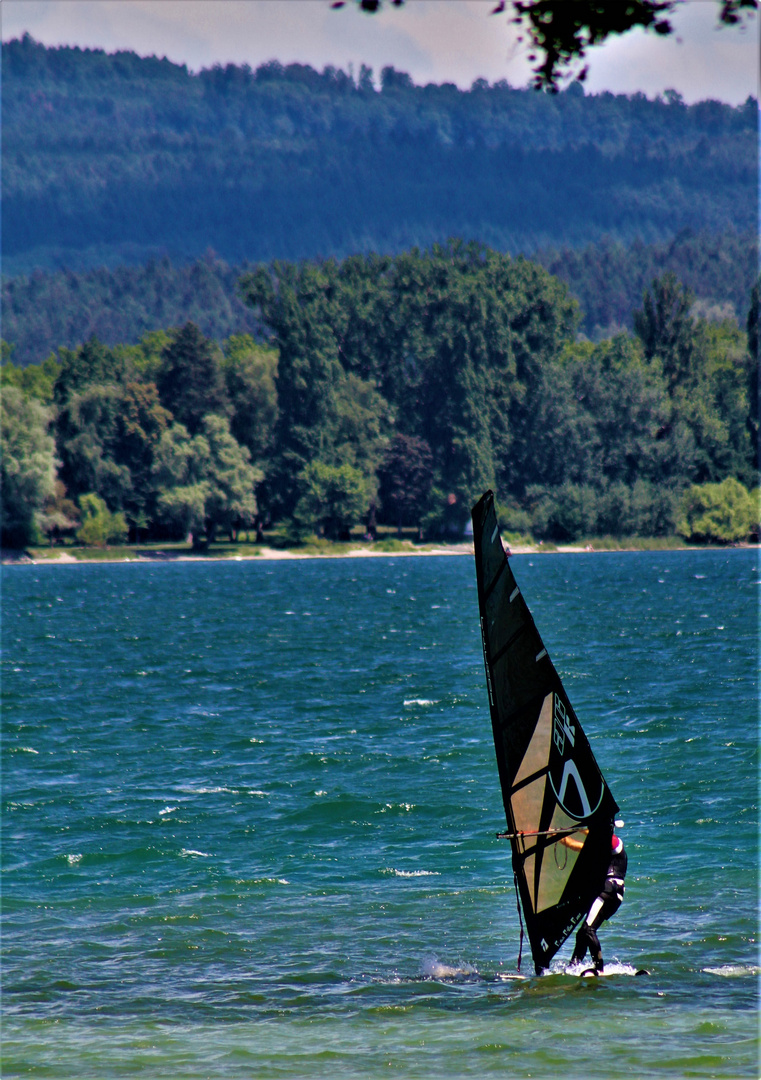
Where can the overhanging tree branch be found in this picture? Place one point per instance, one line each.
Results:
(561, 31)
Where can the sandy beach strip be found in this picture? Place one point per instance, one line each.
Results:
(264, 553)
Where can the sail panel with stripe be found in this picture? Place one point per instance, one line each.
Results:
(551, 784)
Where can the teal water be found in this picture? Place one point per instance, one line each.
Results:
(249, 815)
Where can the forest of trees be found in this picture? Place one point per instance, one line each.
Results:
(44, 310)
(233, 303)
(111, 159)
(394, 389)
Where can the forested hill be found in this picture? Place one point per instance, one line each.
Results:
(113, 158)
(45, 310)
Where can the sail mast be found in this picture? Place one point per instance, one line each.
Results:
(551, 784)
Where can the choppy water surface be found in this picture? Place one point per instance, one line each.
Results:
(249, 817)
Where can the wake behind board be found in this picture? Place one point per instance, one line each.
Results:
(593, 971)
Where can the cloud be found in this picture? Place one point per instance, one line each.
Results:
(702, 59)
(434, 40)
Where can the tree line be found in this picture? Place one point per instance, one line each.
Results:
(393, 390)
(44, 310)
(111, 158)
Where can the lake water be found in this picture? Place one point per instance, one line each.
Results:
(249, 818)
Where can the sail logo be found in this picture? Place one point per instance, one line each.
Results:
(562, 728)
(571, 790)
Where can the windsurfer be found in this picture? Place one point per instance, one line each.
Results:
(547, 771)
(604, 906)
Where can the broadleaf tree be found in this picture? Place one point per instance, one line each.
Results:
(27, 465)
(205, 482)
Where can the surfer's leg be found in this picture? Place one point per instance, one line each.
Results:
(596, 916)
(602, 909)
(594, 947)
(587, 938)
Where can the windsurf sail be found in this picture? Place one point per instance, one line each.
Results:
(551, 785)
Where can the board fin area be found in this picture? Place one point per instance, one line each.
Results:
(615, 968)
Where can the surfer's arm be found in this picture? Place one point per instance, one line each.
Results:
(574, 845)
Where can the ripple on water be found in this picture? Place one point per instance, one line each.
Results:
(243, 840)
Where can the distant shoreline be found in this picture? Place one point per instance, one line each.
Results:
(264, 554)
(268, 554)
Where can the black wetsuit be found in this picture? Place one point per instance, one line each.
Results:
(606, 904)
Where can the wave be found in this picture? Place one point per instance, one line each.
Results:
(410, 873)
(734, 971)
(188, 789)
(434, 969)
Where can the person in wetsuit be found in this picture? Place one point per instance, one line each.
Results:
(606, 904)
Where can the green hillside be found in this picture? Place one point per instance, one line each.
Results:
(116, 158)
(259, 318)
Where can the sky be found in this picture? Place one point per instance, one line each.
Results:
(433, 40)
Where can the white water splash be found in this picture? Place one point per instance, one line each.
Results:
(734, 971)
(615, 967)
(410, 873)
(434, 969)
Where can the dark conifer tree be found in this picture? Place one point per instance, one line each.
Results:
(665, 326)
(190, 379)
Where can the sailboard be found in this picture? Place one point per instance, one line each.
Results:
(552, 787)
